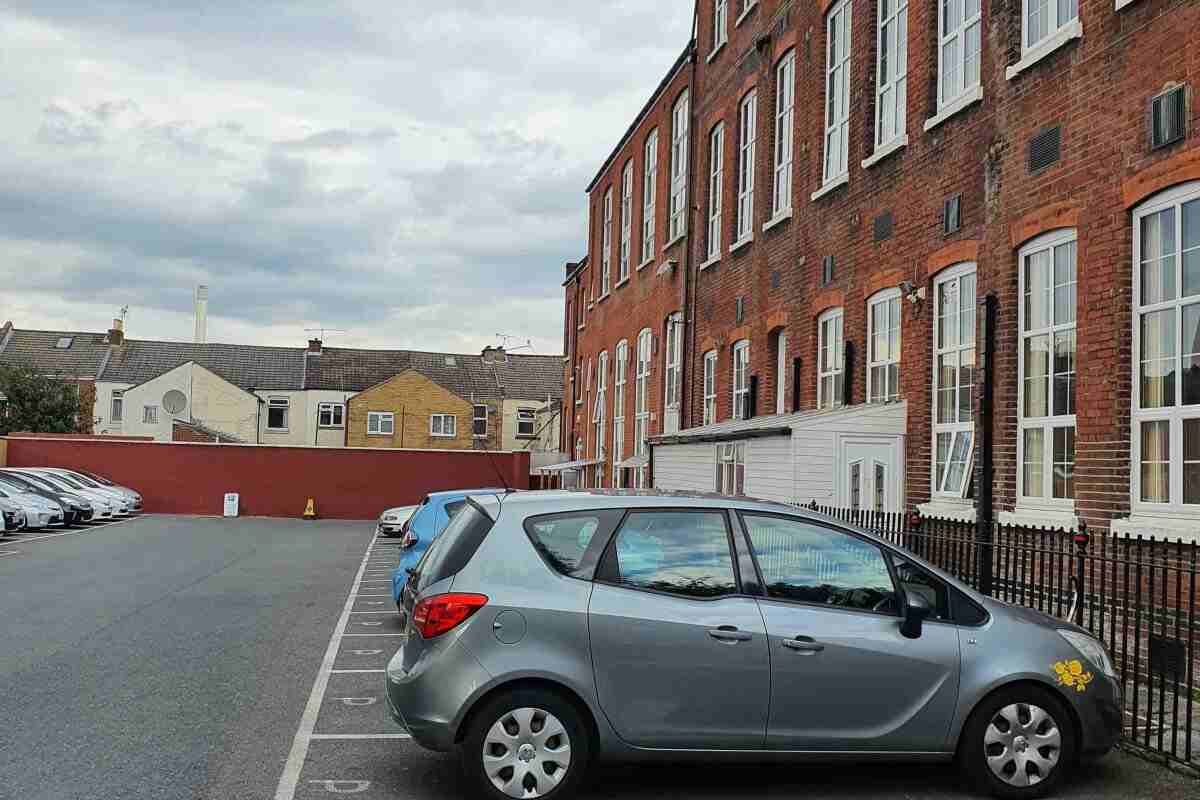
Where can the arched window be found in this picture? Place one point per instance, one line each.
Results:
(830, 361)
(953, 378)
(741, 379)
(641, 407)
(620, 370)
(883, 346)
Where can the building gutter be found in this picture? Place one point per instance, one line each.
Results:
(723, 436)
(689, 308)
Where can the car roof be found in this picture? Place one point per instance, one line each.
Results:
(640, 498)
(458, 494)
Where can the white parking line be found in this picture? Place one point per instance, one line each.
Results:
(371, 635)
(92, 529)
(372, 612)
(355, 671)
(10, 553)
(290, 778)
(361, 736)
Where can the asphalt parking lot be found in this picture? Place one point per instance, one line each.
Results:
(172, 657)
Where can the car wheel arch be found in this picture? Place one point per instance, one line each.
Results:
(545, 684)
(1072, 712)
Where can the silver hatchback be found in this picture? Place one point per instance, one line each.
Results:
(548, 629)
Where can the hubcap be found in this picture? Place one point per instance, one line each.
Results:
(1022, 744)
(526, 753)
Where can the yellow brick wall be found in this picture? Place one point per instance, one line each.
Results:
(412, 398)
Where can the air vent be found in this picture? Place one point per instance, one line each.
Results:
(776, 279)
(883, 226)
(952, 214)
(1045, 149)
(827, 271)
(1168, 117)
(740, 312)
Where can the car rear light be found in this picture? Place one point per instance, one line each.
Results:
(442, 613)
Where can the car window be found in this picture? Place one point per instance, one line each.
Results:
(449, 552)
(454, 507)
(810, 563)
(571, 543)
(683, 553)
(914, 580)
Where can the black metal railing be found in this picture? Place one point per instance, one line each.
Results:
(1137, 594)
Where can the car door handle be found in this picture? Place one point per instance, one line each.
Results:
(803, 644)
(729, 633)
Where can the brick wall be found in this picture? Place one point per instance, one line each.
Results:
(413, 398)
(272, 481)
(1096, 88)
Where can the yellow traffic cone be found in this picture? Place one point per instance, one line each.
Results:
(310, 510)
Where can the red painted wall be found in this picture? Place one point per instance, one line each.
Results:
(184, 478)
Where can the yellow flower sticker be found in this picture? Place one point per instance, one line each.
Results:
(1071, 675)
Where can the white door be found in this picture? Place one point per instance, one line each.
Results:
(870, 474)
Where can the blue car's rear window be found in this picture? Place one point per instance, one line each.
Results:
(451, 550)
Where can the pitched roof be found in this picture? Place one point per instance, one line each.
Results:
(80, 358)
(525, 377)
(246, 366)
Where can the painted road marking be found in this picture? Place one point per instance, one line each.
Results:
(356, 671)
(290, 778)
(373, 612)
(69, 533)
(344, 787)
(327, 736)
(11, 553)
(358, 701)
(371, 635)
(366, 652)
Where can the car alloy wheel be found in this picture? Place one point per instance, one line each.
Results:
(526, 753)
(1023, 744)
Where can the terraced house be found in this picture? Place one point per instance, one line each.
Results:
(940, 256)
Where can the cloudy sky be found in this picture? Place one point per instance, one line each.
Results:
(410, 172)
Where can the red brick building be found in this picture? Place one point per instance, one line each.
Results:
(870, 183)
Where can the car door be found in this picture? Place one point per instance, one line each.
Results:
(680, 656)
(843, 676)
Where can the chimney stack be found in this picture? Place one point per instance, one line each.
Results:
(201, 314)
(494, 355)
(116, 334)
(314, 347)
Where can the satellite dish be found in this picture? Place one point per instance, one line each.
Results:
(174, 401)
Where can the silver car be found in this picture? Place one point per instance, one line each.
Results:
(546, 629)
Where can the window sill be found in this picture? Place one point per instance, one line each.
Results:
(1040, 517)
(782, 216)
(527, 436)
(331, 427)
(275, 430)
(841, 180)
(1159, 527)
(886, 150)
(380, 434)
(745, 13)
(1122, 3)
(958, 511)
(715, 51)
(712, 261)
(602, 298)
(955, 106)
(645, 264)
(740, 243)
(441, 436)
(620, 283)
(580, 327)
(679, 238)
(1068, 32)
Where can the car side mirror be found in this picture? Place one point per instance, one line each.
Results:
(916, 610)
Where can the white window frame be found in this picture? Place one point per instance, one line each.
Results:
(283, 403)
(116, 406)
(890, 299)
(476, 418)
(720, 24)
(149, 415)
(680, 120)
(599, 412)
(626, 221)
(831, 362)
(785, 111)
(381, 423)
(716, 180)
(1051, 421)
(337, 415)
(443, 430)
(959, 428)
(673, 361)
(710, 387)
(606, 245)
(730, 456)
(641, 415)
(891, 78)
(1175, 414)
(620, 379)
(526, 416)
(649, 195)
(781, 344)
(1054, 22)
(837, 94)
(741, 378)
(957, 37)
(747, 135)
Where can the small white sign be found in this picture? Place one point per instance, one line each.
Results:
(231, 504)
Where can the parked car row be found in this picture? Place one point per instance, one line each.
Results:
(35, 498)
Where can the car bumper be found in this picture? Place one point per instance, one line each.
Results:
(388, 528)
(1101, 710)
(13, 521)
(425, 694)
(40, 519)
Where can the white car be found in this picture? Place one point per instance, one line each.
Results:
(391, 522)
(12, 518)
(92, 481)
(39, 511)
(123, 504)
(106, 506)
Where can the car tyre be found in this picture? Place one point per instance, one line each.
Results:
(526, 743)
(1018, 744)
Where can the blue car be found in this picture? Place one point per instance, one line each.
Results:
(431, 518)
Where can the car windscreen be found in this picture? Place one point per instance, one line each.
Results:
(81, 480)
(38, 480)
(453, 548)
(66, 479)
(54, 482)
(100, 479)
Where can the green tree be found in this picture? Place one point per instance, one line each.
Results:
(35, 402)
